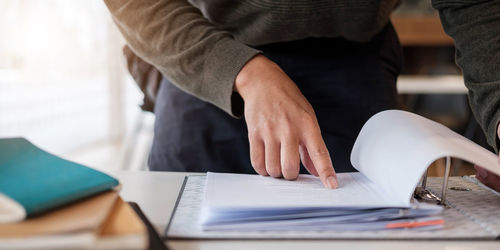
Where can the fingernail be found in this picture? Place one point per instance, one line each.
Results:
(482, 173)
(332, 182)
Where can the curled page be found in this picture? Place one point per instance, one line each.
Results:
(394, 148)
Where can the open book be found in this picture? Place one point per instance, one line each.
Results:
(391, 153)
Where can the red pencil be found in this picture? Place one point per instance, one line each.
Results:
(412, 224)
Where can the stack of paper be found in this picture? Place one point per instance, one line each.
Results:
(391, 153)
(251, 202)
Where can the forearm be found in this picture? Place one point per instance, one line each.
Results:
(474, 25)
(175, 37)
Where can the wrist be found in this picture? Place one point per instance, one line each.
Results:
(248, 77)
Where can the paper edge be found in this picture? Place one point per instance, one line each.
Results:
(10, 210)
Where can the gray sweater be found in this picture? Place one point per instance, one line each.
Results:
(201, 45)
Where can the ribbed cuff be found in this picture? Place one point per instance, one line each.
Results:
(220, 71)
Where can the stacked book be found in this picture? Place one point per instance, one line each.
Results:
(48, 202)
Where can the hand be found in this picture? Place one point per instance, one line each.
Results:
(488, 178)
(282, 126)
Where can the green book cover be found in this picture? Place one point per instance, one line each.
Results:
(39, 181)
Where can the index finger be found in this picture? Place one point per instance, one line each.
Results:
(320, 158)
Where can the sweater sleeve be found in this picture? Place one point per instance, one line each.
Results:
(475, 27)
(190, 51)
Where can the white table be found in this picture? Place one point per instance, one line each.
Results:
(156, 194)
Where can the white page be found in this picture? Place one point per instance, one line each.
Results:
(355, 222)
(394, 148)
(241, 191)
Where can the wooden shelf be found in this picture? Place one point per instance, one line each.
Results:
(416, 84)
(420, 30)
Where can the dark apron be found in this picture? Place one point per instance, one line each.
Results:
(345, 82)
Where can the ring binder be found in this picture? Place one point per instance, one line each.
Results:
(472, 215)
(424, 194)
(445, 181)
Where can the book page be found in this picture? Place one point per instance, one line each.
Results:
(230, 191)
(394, 148)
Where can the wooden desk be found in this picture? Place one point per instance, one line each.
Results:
(156, 193)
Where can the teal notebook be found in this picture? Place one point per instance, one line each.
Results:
(33, 181)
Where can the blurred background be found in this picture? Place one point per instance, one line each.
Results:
(64, 84)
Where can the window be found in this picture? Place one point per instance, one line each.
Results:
(63, 82)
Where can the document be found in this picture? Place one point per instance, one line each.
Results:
(256, 202)
(394, 148)
(255, 191)
(391, 153)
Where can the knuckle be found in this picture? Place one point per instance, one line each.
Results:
(286, 128)
(308, 119)
(324, 171)
(267, 128)
(260, 170)
(319, 152)
(274, 171)
(258, 166)
(290, 171)
(256, 159)
(291, 176)
(323, 175)
(253, 133)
